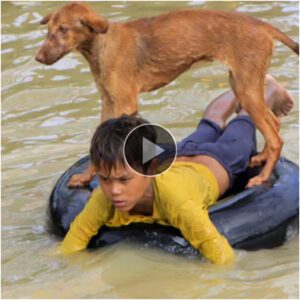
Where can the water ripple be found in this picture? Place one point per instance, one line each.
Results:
(48, 116)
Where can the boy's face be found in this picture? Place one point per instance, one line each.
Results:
(124, 187)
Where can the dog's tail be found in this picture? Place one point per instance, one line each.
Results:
(280, 36)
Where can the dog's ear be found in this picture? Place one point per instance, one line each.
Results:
(95, 22)
(46, 19)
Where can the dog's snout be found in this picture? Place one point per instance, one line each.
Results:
(40, 58)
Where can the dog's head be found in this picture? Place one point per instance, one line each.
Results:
(71, 27)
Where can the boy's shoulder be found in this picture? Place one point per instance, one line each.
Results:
(179, 175)
(99, 198)
(98, 194)
(183, 182)
(176, 183)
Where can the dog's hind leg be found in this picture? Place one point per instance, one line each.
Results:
(257, 160)
(249, 92)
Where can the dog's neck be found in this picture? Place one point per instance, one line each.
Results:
(91, 49)
(95, 48)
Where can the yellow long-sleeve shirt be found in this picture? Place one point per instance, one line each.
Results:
(181, 197)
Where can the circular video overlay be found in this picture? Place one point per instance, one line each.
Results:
(149, 149)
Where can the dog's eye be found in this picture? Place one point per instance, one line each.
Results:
(63, 29)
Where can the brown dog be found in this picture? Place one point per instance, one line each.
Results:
(142, 55)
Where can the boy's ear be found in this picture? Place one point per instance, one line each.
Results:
(95, 22)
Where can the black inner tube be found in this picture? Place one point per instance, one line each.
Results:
(255, 218)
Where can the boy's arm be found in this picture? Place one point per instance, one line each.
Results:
(86, 224)
(196, 226)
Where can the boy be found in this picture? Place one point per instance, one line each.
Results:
(207, 164)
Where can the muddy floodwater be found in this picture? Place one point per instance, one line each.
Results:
(48, 116)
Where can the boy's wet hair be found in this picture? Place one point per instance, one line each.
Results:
(107, 143)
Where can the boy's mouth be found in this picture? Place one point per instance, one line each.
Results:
(119, 203)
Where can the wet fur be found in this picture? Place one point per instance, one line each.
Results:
(142, 55)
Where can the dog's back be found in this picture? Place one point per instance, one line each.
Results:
(172, 42)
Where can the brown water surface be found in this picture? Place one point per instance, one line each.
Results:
(48, 116)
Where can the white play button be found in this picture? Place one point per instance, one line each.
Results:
(150, 150)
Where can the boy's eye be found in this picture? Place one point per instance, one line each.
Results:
(102, 178)
(124, 179)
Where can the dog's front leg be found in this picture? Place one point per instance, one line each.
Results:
(107, 109)
(119, 101)
(112, 107)
(82, 179)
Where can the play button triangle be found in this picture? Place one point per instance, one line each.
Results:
(148, 142)
(150, 150)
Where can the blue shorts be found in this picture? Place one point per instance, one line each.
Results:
(231, 147)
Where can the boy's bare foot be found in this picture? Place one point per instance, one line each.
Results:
(280, 100)
(277, 98)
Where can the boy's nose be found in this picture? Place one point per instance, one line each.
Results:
(115, 193)
(116, 190)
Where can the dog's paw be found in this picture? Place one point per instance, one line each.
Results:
(79, 180)
(258, 160)
(257, 180)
